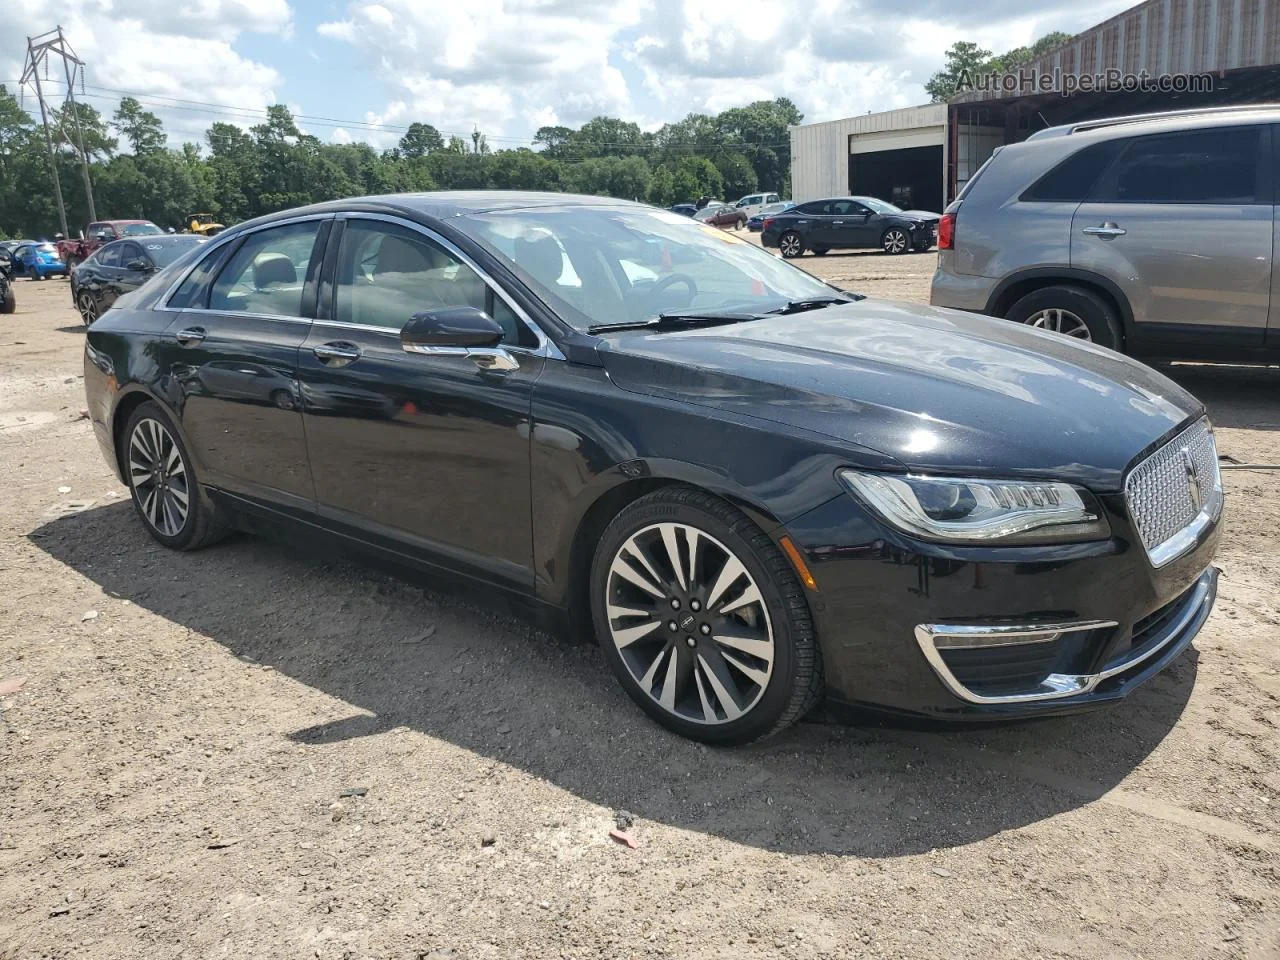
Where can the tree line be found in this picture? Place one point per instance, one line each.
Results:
(241, 173)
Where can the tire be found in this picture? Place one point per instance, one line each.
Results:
(723, 693)
(72, 261)
(87, 306)
(1072, 311)
(791, 244)
(9, 302)
(147, 429)
(895, 241)
(820, 251)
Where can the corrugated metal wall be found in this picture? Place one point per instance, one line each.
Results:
(1168, 37)
(820, 151)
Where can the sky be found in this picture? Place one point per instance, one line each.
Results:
(356, 70)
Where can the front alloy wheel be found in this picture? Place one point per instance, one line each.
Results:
(791, 245)
(703, 620)
(895, 241)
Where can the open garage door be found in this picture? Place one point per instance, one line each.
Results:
(910, 177)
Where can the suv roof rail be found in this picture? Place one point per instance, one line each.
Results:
(1070, 128)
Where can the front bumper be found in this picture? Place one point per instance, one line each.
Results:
(897, 618)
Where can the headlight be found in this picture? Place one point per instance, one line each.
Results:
(980, 511)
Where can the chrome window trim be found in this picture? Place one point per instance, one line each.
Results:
(546, 347)
(1057, 685)
(162, 302)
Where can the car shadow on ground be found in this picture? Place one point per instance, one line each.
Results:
(1237, 396)
(434, 663)
(78, 328)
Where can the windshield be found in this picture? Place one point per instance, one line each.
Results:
(140, 230)
(879, 206)
(165, 253)
(603, 264)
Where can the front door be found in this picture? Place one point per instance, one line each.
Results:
(424, 454)
(1182, 224)
(233, 352)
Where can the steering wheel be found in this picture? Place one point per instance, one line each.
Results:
(651, 291)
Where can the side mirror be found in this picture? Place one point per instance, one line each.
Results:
(462, 328)
(139, 265)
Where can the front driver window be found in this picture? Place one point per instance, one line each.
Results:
(267, 274)
(388, 273)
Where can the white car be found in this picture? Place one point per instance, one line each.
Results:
(753, 203)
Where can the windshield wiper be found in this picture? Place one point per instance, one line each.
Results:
(815, 303)
(668, 320)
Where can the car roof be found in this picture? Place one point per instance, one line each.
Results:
(444, 204)
(1168, 121)
(122, 221)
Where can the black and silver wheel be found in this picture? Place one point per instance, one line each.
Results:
(1071, 311)
(162, 482)
(88, 307)
(703, 619)
(895, 241)
(791, 244)
(8, 300)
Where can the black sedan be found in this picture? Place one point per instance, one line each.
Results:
(850, 223)
(121, 267)
(754, 490)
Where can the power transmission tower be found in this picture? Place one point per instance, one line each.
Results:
(39, 49)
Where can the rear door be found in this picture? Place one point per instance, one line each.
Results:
(1183, 224)
(234, 351)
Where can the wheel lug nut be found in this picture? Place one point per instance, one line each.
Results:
(675, 604)
(706, 629)
(695, 605)
(671, 625)
(690, 641)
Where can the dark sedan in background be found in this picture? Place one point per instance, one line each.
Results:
(753, 489)
(850, 223)
(121, 267)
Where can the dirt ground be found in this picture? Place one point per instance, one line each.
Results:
(180, 732)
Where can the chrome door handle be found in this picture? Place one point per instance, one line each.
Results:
(190, 336)
(337, 354)
(837, 223)
(1108, 231)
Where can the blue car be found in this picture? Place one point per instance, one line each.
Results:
(37, 261)
(756, 223)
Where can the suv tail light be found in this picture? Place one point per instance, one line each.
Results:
(947, 232)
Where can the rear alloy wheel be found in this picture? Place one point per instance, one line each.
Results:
(702, 619)
(163, 484)
(88, 308)
(791, 244)
(1071, 311)
(895, 241)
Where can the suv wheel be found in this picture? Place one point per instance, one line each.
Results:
(791, 244)
(1071, 311)
(702, 619)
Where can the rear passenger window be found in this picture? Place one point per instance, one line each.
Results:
(267, 274)
(816, 208)
(1202, 166)
(1072, 179)
(109, 256)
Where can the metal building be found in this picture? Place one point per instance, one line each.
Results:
(1215, 51)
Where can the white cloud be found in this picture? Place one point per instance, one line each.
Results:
(169, 49)
(510, 66)
(340, 135)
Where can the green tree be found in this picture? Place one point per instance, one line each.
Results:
(419, 140)
(140, 127)
(962, 57)
(551, 139)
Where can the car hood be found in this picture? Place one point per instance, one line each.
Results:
(936, 390)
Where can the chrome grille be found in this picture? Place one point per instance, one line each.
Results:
(1175, 492)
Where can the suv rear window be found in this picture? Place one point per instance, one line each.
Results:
(1072, 179)
(1199, 166)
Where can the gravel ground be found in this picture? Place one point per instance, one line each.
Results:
(253, 752)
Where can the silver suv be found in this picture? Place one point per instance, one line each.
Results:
(1150, 234)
